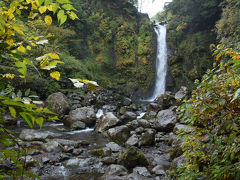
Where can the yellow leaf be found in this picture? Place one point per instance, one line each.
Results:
(54, 56)
(56, 75)
(33, 44)
(42, 9)
(10, 42)
(50, 7)
(29, 48)
(22, 49)
(48, 20)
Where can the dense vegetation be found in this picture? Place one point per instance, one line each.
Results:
(212, 147)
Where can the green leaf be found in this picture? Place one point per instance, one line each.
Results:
(12, 111)
(19, 93)
(60, 14)
(28, 118)
(236, 94)
(63, 19)
(55, 7)
(47, 2)
(39, 121)
(40, 2)
(27, 92)
(13, 103)
(63, 1)
(68, 7)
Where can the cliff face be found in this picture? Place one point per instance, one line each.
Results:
(117, 41)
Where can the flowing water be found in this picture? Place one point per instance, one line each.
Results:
(161, 62)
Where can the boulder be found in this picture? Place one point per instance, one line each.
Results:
(78, 125)
(35, 135)
(181, 94)
(132, 157)
(113, 146)
(148, 137)
(119, 134)
(165, 101)
(178, 128)
(116, 170)
(132, 141)
(165, 120)
(57, 102)
(179, 161)
(84, 114)
(128, 116)
(107, 121)
(127, 101)
(144, 123)
(159, 170)
(88, 165)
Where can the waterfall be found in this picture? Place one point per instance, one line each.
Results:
(161, 62)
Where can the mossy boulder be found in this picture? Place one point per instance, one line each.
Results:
(133, 157)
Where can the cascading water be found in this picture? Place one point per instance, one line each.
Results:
(161, 62)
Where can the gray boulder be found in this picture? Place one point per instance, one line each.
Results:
(132, 157)
(57, 102)
(166, 120)
(178, 128)
(119, 134)
(116, 170)
(107, 121)
(78, 125)
(132, 141)
(128, 116)
(165, 101)
(35, 135)
(114, 147)
(84, 114)
(181, 94)
(148, 137)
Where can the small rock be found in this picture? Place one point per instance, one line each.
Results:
(182, 128)
(35, 135)
(144, 123)
(159, 170)
(113, 146)
(116, 170)
(119, 134)
(127, 101)
(181, 93)
(51, 146)
(109, 160)
(78, 125)
(142, 171)
(148, 137)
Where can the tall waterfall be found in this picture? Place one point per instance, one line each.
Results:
(161, 62)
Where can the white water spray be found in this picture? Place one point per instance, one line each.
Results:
(161, 62)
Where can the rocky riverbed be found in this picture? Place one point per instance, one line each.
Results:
(105, 136)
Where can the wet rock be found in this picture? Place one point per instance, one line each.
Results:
(109, 160)
(142, 171)
(106, 151)
(132, 141)
(161, 136)
(166, 120)
(116, 170)
(144, 123)
(66, 142)
(139, 130)
(28, 160)
(77, 152)
(88, 165)
(84, 114)
(110, 177)
(148, 137)
(154, 107)
(35, 135)
(51, 146)
(182, 128)
(165, 101)
(132, 157)
(57, 102)
(119, 134)
(133, 124)
(136, 176)
(123, 109)
(9, 120)
(128, 116)
(179, 161)
(107, 121)
(114, 147)
(159, 170)
(181, 93)
(176, 149)
(78, 125)
(127, 101)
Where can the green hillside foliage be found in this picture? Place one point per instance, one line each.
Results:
(190, 32)
(228, 27)
(118, 40)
